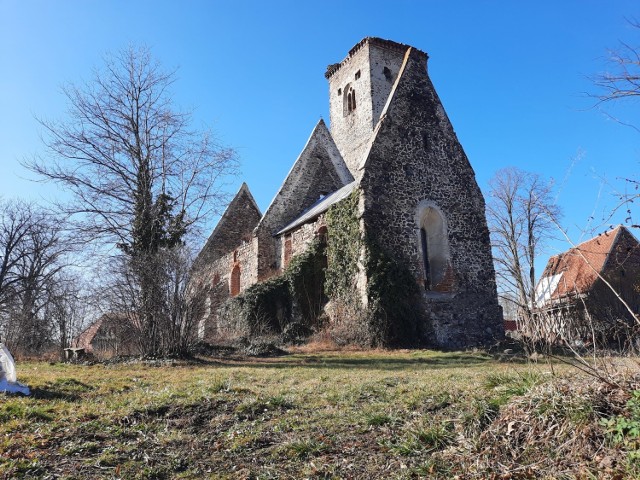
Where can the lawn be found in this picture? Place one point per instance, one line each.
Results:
(380, 414)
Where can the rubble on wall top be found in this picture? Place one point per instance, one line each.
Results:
(380, 42)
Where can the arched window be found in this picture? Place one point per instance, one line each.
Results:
(235, 281)
(349, 100)
(434, 248)
(288, 249)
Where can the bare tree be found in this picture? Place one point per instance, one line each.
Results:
(175, 312)
(138, 174)
(621, 82)
(16, 221)
(66, 308)
(33, 251)
(140, 177)
(521, 215)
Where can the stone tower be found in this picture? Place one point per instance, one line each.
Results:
(359, 87)
(388, 196)
(420, 204)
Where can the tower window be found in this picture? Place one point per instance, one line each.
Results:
(357, 74)
(349, 100)
(339, 91)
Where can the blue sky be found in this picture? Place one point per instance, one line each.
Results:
(512, 76)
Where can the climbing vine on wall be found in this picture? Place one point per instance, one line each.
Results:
(292, 303)
(288, 304)
(393, 295)
(343, 250)
(391, 315)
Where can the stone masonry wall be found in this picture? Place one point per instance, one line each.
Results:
(375, 63)
(234, 228)
(216, 281)
(300, 239)
(416, 158)
(318, 171)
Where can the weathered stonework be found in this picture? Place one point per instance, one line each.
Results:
(420, 215)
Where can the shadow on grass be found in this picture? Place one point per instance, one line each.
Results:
(67, 389)
(440, 361)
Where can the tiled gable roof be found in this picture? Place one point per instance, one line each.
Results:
(577, 269)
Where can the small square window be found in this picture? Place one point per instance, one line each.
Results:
(357, 74)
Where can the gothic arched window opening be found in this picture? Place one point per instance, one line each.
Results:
(235, 281)
(434, 249)
(349, 100)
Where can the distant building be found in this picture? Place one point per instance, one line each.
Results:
(110, 335)
(392, 148)
(574, 304)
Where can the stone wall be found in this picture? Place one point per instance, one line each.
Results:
(370, 69)
(299, 240)
(234, 228)
(416, 160)
(216, 281)
(319, 170)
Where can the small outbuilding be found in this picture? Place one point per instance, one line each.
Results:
(590, 294)
(111, 334)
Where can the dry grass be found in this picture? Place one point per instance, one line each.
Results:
(320, 414)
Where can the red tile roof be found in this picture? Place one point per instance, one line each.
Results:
(581, 265)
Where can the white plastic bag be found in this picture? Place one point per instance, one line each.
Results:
(8, 380)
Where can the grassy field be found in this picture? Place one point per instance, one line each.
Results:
(381, 414)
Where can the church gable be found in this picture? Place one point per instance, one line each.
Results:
(234, 227)
(392, 167)
(422, 205)
(318, 171)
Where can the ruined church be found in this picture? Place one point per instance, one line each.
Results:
(387, 197)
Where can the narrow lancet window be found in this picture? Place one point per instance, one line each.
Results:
(425, 259)
(235, 281)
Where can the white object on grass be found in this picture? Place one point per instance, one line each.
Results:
(8, 380)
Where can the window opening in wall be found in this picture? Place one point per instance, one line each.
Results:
(287, 249)
(425, 259)
(235, 281)
(434, 247)
(357, 74)
(348, 100)
(387, 74)
(339, 91)
(323, 235)
(351, 100)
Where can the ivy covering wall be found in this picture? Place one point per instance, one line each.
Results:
(289, 304)
(292, 303)
(391, 316)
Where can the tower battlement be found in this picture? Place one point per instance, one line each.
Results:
(359, 87)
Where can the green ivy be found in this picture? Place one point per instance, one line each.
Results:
(393, 296)
(295, 299)
(343, 250)
(391, 317)
(289, 303)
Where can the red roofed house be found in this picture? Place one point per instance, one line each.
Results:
(575, 305)
(111, 334)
